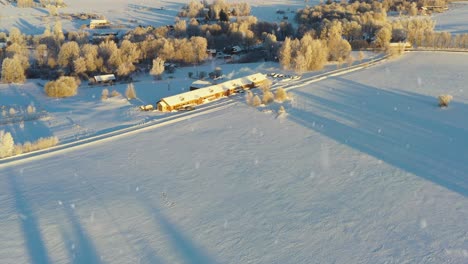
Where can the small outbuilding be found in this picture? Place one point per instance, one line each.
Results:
(199, 84)
(99, 23)
(106, 78)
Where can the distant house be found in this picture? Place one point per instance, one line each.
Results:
(99, 23)
(104, 79)
(104, 36)
(406, 45)
(199, 84)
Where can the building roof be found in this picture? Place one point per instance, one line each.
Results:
(99, 21)
(193, 95)
(103, 78)
(200, 84)
(212, 89)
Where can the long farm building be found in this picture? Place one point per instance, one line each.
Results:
(210, 93)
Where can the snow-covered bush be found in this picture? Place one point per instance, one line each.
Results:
(114, 93)
(256, 101)
(444, 100)
(41, 143)
(280, 95)
(31, 109)
(64, 86)
(267, 97)
(248, 97)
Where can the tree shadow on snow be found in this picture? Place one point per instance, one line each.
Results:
(80, 247)
(34, 242)
(187, 250)
(404, 129)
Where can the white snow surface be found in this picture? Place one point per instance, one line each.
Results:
(365, 168)
(129, 14)
(454, 20)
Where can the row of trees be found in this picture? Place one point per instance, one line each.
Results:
(332, 28)
(218, 9)
(9, 148)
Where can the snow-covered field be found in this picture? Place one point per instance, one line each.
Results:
(365, 168)
(128, 14)
(454, 20)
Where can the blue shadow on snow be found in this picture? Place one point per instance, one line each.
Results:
(422, 140)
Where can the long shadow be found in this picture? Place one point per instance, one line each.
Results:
(25, 26)
(34, 242)
(148, 254)
(84, 251)
(187, 250)
(422, 140)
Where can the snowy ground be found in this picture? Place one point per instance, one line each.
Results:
(454, 20)
(87, 115)
(365, 168)
(128, 14)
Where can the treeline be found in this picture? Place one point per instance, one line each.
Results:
(326, 32)
(219, 9)
(9, 148)
(42, 3)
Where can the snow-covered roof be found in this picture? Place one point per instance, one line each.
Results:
(200, 84)
(103, 78)
(213, 89)
(193, 95)
(98, 21)
(257, 77)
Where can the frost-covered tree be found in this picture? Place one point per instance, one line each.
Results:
(16, 36)
(41, 54)
(256, 101)
(248, 97)
(12, 70)
(383, 37)
(285, 54)
(104, 94)
(7, 144)
(267, 97)
(199, 46)
(130, 92)
(158, 68)
(79, 65)
(69, 52)
(65, 86)
(280, 95)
